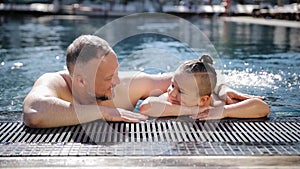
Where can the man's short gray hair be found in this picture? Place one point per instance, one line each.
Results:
(84, 48)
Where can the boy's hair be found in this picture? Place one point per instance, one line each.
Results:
(204, 73)
(85, 48)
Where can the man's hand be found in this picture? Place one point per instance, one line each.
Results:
(119, 114)
(232, 96)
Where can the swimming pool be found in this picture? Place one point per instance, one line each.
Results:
(256, 59)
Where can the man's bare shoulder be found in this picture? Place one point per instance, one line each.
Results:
(53, 78)
(53, 84)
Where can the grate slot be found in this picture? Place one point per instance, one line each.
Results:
(79, 134)
(6, 130)
(218, 133)
(199, 128)
(70, 134)
(57, 135)
(263, 132)
(143, 131)
(155, 131)
(148, 132)
(212, 131)
(287, 137)
(94, 132)
(24, 135)
(272, 127)
(32, 135)
(188, 133)
(219, 136)
(230, 132)
(254, 132)
(287, 130)
(132, 133)
(207, 132)
(167, 132)
(258, 132)
(108, 137)
(41, 136)
(226, 133)
(139, 136)
(247, 132)
(290, 129)
(275, 133)
(270, 134)
(116, 133)
(193, 131)
(179, 133)
(234, 132)
(242, 133)
(126, 132)
(294, 125)
(2, 126)
(38, 135)
(9, 137)
(160, 132)
(75, 135)
(122, 133)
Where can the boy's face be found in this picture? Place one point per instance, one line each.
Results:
(183, 90)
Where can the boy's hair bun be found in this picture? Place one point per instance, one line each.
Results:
(206, 59)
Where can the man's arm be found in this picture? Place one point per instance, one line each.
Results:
(137, 86)
(44, 107)
(145, 85)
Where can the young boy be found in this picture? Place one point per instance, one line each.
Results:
(191, 93)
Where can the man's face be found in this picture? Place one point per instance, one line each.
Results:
(105, 78)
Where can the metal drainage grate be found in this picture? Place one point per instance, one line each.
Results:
(153, 138)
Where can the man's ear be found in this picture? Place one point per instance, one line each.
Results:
(80, 80)
(203, 100)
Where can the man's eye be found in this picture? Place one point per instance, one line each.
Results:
(172, 86)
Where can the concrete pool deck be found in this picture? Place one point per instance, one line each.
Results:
(175, 143)
(153, 162)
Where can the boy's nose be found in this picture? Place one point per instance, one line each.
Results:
(172, 93)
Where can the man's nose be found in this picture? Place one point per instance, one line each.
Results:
(116, 79)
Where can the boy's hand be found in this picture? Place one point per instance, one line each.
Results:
(212, 113)
(232, 96)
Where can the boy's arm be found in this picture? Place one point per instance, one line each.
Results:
(231, 96)
(250, 108)
(160, 107)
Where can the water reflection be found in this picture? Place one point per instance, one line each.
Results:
(260, 60)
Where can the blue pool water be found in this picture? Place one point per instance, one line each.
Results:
(256, 59)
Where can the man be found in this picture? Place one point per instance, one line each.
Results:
(91, 89)
(68, 98)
